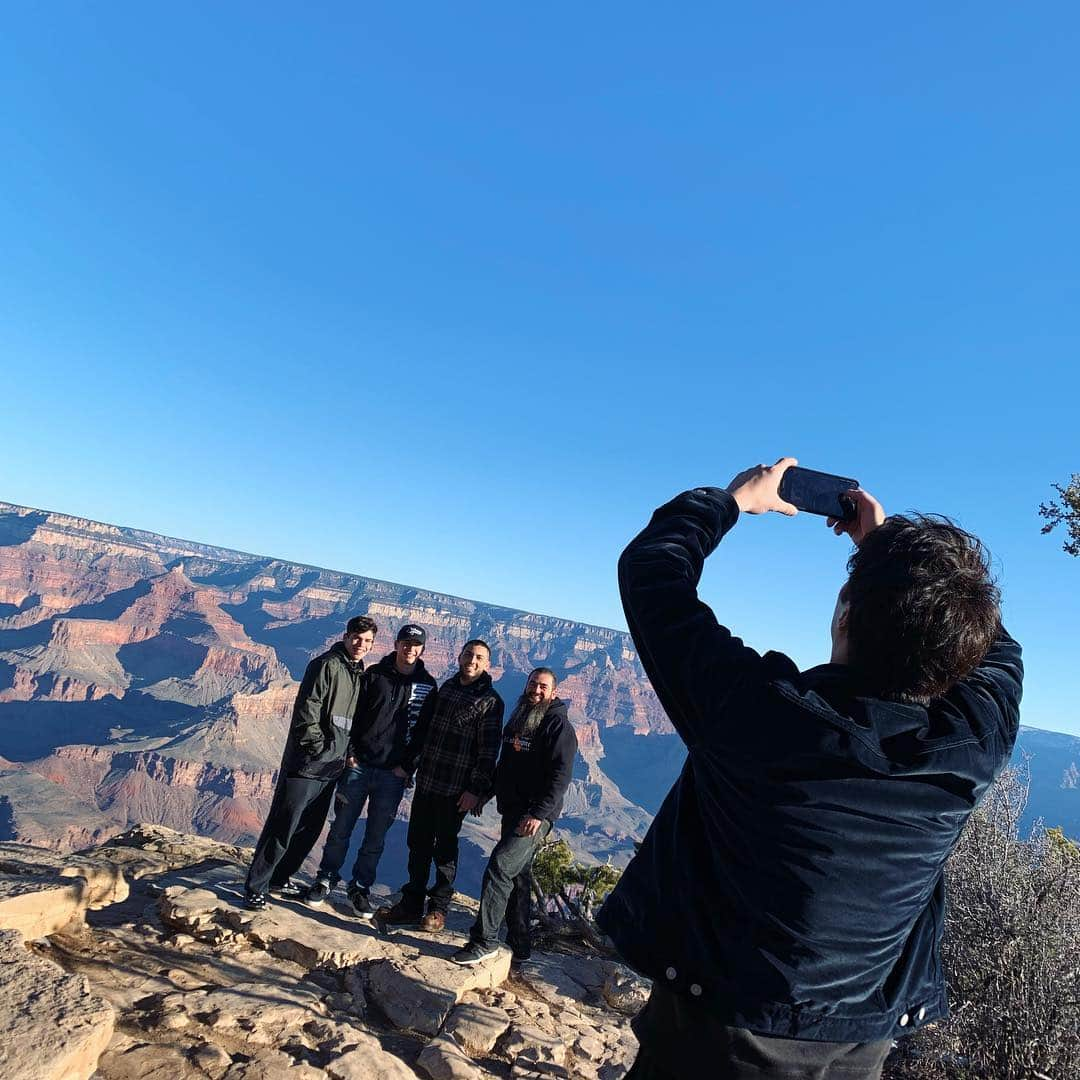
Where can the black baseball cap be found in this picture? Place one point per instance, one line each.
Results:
(412, 632)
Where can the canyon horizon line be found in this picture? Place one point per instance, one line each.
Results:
(150, 678)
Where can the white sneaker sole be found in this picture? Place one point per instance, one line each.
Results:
(477, 960)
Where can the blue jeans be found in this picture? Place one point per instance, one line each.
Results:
(382, 791)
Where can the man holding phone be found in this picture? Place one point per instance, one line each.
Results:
(788, 900)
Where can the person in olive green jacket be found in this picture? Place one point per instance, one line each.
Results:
(314, 757)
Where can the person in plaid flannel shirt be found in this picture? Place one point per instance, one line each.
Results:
(456, 771)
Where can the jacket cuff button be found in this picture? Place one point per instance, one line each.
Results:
(695, 990)
(671, 973)
(921, 1015)
(904, 1020)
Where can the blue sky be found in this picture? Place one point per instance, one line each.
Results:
(454, 295)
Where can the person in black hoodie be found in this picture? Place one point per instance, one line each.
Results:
(314, 757)
(392, 719)
(534, 771)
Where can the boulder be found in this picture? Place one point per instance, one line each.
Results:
(625, 991)
(476, 1027)
(369, 1061)
(524, 1042)
(443, 1059)
(419, 993)
(51, 1026)
(322, 939)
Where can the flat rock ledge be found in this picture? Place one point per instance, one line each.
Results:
(177, 981)
(51, 1025)
(41, 891)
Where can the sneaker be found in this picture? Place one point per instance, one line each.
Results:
(433, 922)
(290, 890)
(361, 903)
(474, 953)
(401, 914)
(254, 901)
(315, 895)
(520, 954)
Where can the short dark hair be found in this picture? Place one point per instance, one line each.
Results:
(361, 624)
(544, 671)
(924, 609)
(476, 641)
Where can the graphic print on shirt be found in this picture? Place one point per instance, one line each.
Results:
(418, 693)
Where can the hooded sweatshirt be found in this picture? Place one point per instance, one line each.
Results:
(393, 715)
(535, 767)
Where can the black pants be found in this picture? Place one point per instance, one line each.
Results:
(504, 892)
(297, 814)
(679, 1038)
(434, 825)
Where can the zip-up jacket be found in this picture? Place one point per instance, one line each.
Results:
(792, 881)
(393, 715)
(534, 771)
(322, 716)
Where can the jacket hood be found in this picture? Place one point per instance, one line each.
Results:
(480, 685)
(387, 667)
(557, 710)
(338, 649)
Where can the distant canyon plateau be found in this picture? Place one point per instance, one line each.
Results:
(149, 679)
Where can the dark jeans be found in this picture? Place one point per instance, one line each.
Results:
(679, 1038)
(297, 814)
(434, 824)
(382, 791)
(505, 889)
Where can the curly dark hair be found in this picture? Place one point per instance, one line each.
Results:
(924, 609)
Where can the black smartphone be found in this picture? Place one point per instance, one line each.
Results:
(819, 492)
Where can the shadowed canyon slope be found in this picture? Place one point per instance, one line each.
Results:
(144, 678)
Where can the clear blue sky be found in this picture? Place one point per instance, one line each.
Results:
(454, 295)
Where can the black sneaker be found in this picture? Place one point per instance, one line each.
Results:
(290, 890)
(361, 904)
(520, 954)
(315, 895)
(254, 901)
(474, 953)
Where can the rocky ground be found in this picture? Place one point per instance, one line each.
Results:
(133, 960)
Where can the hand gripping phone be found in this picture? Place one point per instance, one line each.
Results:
(819, 493)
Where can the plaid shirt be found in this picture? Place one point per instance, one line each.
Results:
(462, 742)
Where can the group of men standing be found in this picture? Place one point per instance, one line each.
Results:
(360, 737)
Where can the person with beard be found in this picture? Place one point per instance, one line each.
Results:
(534, 770)
(314, 758)
(392, 719)
(457, 766)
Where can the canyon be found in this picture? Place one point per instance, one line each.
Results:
(149, 679)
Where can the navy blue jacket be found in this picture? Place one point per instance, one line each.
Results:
(792, 880)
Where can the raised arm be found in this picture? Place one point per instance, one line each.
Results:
(692, 661)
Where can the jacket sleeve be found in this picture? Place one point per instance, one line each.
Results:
(307, 715)
(559, 774)
(482, 779)
(420, 731)
(692, 661)
(989, 698)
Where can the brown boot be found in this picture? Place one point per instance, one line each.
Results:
(401, 914)
(433, 921)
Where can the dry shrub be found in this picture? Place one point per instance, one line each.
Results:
(1011, 952)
